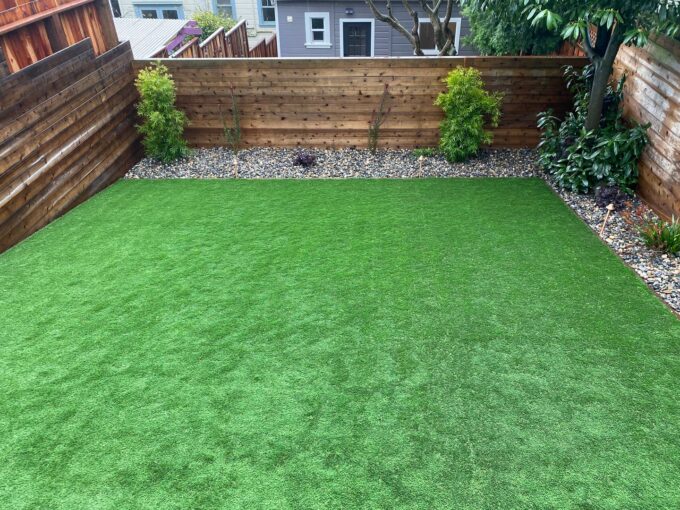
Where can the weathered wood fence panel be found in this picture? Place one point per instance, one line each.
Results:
(266, 48)
(652, 95)
(66, 132)
(31, 30)
(329, 102)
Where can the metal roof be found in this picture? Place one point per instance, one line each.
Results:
(147, 36)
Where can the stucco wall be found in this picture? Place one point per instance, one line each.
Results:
(387, 41)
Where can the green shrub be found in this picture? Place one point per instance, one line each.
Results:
(208, 22)
(426, 152)
(656, 233)
(467, 106)
(662, 235)
(581, 160)
(162, 124)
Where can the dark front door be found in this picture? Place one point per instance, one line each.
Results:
(356, 39)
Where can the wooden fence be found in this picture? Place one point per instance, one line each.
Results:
(329, 102)
(266, 48)
(66, 132)
(31, 30)
(232, 44)
(236, 41)
(652, 94)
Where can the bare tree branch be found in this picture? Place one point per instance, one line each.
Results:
(448, 35)
(443, 36)
(392, 21)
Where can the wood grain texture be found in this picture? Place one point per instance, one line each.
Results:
(329, 102)
(66, 131)
(652, 95)
(31, 31)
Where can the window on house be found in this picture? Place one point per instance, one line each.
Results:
(267, 12)
(225, 7)
(159, 11)
(317, 29)
(426, 32)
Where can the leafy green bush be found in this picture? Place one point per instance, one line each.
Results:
(208, 22)
(162, 124)
(581, 160)
(466, 107)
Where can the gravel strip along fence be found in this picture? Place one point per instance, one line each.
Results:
(660, 271)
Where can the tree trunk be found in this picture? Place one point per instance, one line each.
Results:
(604, 65)
(597, 94)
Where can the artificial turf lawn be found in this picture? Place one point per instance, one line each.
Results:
(332, 344)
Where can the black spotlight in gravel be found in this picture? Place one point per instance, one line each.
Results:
(304, 159)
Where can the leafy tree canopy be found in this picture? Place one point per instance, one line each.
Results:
(506, 30)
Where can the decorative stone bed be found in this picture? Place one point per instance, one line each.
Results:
(661, 272)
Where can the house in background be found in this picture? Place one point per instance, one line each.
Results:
(148, 36)
(260, 15)
(347, 28)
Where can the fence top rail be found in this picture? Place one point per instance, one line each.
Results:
(40, 15)
(212, 36)
(235, 28)
(426, 61)
(193, 41)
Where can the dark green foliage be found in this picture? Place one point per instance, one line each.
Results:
(426, 152)
(507, 31)
(579, 159)
(162, 124)
(467, 108)
(209, 21)
(617, 23)
(332, 344)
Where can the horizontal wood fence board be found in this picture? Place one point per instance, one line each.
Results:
(329, 102)
(53, 108)
(652, 95)
(72, 134)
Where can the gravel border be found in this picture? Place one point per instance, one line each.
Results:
(661, 272)
(270, 163)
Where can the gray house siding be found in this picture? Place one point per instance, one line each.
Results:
(387, 41)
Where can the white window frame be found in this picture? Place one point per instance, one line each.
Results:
(309, 39)
(456, 39)
(354, 20)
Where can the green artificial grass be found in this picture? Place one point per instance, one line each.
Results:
(332, 344)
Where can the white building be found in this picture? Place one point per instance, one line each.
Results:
(260, 15)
